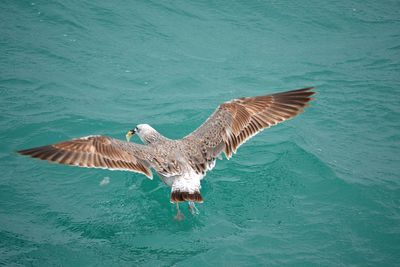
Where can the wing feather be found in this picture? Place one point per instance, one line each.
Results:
(95, 152)
(235, 121)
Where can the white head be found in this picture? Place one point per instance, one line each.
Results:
(145, 132)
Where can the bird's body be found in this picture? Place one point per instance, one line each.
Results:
(181, 164)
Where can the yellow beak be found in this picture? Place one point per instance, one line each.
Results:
(129, 135)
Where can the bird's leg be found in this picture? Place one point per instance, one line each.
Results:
(179, 215)
(193, 209)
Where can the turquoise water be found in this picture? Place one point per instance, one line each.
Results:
(322, 189)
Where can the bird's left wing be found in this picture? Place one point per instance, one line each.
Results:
(96, 152)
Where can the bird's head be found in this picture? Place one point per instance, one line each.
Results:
(145, 132)
(130, 133)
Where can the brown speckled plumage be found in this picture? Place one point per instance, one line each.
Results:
(181, 164)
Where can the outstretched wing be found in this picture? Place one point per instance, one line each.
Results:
(234, 122)
(95, 152)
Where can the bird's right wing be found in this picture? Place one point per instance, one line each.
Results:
(235, 121)
(96, 152)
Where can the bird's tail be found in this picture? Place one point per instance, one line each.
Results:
(181, 196)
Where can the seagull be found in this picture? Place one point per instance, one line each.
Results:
(181, 164)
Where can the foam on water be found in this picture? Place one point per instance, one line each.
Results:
(105, 181)
(322, 189)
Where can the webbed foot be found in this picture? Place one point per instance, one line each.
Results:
(179, 215)
(192, 208)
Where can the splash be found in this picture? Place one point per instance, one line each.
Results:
(105, 181)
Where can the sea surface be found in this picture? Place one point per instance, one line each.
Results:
(322, 189)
